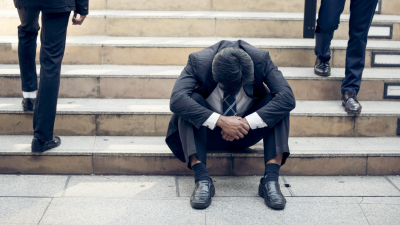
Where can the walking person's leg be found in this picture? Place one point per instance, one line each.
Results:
(361, 14)
(328, 21)
(53, 37)
(27, 42)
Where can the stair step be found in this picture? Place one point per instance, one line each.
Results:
(149, 82)
(150, 117)
(175, 51)
(151, 156)
(203, 24)
(386, 6)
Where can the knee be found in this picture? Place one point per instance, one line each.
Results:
(327, 26)
(29, 28)
(198, 98)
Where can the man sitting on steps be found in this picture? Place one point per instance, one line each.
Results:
(220, 102)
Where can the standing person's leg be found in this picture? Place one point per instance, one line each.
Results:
(328, 21)
(27, 39)
(361, 14)
(53, 37)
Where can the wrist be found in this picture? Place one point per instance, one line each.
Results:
(220, 121)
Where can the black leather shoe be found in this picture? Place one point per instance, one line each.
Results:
(322, 68)
(41, 146)
(28, 104)
(201, 197)
(350, 103)
(271, 192)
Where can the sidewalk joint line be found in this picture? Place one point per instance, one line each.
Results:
(285, 182)
(177, 186)
(392, 183)
(65, 187)
(45, 211)
(363, 213)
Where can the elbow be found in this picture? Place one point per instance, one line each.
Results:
(174, 103)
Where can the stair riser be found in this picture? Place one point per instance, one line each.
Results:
(165, 27)
(388, 6)
(115, 55)
(169, 165)
(154, 88)
(156, 125)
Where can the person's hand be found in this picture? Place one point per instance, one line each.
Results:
(233, 126)
(76, 20)
(228, 137)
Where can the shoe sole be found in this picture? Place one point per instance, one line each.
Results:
(349, 111)
(268, 203)
(206, 205)
(322, 74)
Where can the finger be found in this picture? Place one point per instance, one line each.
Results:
(75, 14)
(243, 131)
(240, 135)
(245, 126)
(222, 132)
(236, 137)
(224, 136)
(231, 138)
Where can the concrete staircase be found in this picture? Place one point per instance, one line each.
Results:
(121, 64)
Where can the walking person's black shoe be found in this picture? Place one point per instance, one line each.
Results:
(350, 103)
(271, 192)
(28, 104)
(201, 197)
(41, 146)
(322, 68)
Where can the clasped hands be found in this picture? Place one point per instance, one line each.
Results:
(233, 127)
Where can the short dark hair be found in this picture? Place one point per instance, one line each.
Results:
(231, 68)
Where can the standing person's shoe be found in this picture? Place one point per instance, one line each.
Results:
(271, 192)
(322, 68)
(350, 103)
(28, 104)
(201, 197)
(41, 146)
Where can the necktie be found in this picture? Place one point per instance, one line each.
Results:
(229, 105)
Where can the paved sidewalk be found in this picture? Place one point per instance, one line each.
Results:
(45, 199)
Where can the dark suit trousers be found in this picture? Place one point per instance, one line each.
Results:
(53, 37)
(198, 141)
(361, 14)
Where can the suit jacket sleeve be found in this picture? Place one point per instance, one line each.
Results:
(283, 101)
(182, 104)
(82, 7)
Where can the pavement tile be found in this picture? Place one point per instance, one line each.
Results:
(379, 200)
(138, 187)
(334, 200)
(381, 214)
(22, 210)
(341, 186)
(395, 180)
(254, 211)
(121, 211)
(228, 186)
(32, 185)
(112, 144)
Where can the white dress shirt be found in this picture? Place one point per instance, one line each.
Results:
(242, 104)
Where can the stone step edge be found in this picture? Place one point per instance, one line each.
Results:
(161, 107)
(225, 15)
(160, 149)
(173, 72)
(198, 42)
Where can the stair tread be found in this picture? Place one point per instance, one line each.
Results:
(155, 146)
(89, 106)
(172, 72)
(202, 42)
(207, 15)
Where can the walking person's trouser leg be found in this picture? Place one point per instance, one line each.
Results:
(27, 38)
(361, 14)
(328, 21)
(53, 37)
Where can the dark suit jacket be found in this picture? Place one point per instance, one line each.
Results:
(197, 77)
(79, 6)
